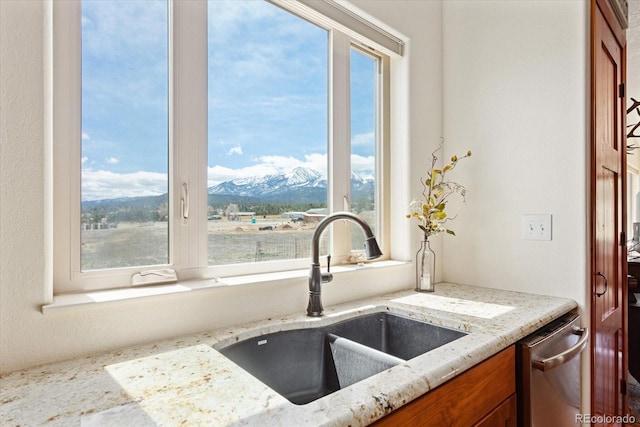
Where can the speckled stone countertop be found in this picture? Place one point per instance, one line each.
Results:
(187, 382)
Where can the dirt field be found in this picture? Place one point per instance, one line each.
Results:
(229, 242)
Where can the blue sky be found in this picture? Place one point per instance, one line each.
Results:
(267, 96)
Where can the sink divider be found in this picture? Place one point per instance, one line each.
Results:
(354, 362)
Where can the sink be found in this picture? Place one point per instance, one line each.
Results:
(396, 335)
(295, 363)
(306, 364)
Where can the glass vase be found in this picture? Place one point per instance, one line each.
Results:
(425, 268)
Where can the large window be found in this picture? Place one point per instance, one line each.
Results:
(209, 138)
(267, 132)
(125, 134)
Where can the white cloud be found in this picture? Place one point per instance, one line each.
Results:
(101, 184)
(363, 166)
(235, 150)
(84, 160)
(228, 16)
(113, 160)
(110, 26)
(132, 32)
(317, 162)
(218, 174)
(362, 163)
(368, 138)
(85, 136)
(255, 58)
(281, 163)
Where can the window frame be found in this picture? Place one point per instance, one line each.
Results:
(188, 166)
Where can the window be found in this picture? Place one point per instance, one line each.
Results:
(267, 132)
(364, 85)
(208, 138)
(125, 141)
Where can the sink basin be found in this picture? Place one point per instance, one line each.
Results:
(305, 364)
(396, 335)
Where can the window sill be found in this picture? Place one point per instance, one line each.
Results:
(68, 302)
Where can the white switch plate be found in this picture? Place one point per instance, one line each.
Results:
(536, 227)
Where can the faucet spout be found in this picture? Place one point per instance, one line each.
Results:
(316, 277)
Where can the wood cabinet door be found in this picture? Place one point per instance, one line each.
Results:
(485, 392)
(504, 415)
(608, 273)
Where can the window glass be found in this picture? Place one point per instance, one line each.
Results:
(267, 132)
(363, 96)
(124, 134)
(259, 93)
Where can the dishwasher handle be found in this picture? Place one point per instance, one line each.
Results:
(557, 360)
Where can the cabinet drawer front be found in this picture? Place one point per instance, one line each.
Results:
(464, 400)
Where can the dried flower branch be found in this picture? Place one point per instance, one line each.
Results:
(430, 211)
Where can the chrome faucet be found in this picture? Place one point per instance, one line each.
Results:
(316, 277)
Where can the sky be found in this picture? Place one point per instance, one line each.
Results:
(267, 96)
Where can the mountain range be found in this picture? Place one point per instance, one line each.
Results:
(301, 185)
(299, 178)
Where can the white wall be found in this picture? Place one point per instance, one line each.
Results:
(516, 94)
(28, 338)
(416, 113)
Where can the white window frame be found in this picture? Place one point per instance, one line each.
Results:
(188, 123)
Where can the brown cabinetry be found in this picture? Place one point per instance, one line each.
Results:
(483, 396)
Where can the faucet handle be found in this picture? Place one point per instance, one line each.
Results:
(327, 277)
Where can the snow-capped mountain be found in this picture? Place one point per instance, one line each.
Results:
(300, 184)
(270, 184)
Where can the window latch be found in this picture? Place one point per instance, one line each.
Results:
(154, 277)
(184, 201)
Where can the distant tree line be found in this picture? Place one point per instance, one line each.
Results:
(152, 209)
(115, 214)
(267, 208)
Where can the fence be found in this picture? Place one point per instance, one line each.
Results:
(293, 248)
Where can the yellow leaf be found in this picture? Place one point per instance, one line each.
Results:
(441, 215)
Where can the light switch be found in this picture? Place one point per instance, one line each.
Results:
(536, 227)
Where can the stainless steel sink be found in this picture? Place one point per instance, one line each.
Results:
(306, 364)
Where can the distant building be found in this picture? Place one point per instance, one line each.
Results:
(315, 215)
(236, 216)
(297, 216)
(318, 211)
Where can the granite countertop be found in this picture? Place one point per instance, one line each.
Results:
(187, 382)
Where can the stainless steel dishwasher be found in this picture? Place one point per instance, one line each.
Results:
(548, 373)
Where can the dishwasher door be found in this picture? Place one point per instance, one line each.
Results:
(548, 364)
